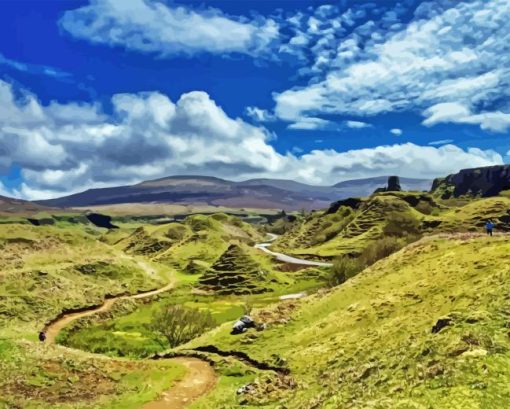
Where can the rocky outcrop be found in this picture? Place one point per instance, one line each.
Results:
(353, 203)
(483, 182)
(392, 186)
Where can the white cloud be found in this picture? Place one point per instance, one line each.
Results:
(168, 29)
(308, 123)
(357, 124)
(400, 159)
(457, 113)
(441, 142)
(260, 115)
(396, 131)
(65, 148)
(457, 56)
(33, 68)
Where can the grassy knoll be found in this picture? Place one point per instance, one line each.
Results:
(46, 269)
(348, 228)
(43, 271)
(369, 342)
(34, 376)
(192, 245)
(124, 331)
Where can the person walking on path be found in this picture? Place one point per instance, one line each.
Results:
(42, 336)
(489, 226)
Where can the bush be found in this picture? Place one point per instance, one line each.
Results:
(176, 232)
(345, 267)
(198, 223)
(401, 224)
(179, 324)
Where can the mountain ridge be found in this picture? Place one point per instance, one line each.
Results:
(255, 193)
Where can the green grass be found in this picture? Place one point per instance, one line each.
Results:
(348, 231)
(47, 269)
(368, 343)
(126, 332)
(39, 376)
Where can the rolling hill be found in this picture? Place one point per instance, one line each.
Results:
(424, 328)
(10, 206)
(255, 193)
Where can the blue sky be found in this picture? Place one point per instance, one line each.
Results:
(111, 92)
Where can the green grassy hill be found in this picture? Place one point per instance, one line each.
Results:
(236, 272)
(45, 270)
(350, 226)
(191, 246)
(370, 342)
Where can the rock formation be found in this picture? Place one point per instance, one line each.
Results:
(483, 182)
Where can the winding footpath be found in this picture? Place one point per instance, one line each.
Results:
(200, 377)
(284, 257)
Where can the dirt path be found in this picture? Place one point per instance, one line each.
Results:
(200, 377)
(53, 329)
(284, 257)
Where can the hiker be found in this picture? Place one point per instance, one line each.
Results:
(242, 325)
(489, 226)
(42, 336)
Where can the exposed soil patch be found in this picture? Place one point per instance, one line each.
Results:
(200, 378)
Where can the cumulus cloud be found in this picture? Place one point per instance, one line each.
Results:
(66, 148)
(396, 131)
(449, 63)
(309, 123)
(168, 29)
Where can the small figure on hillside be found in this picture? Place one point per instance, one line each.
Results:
(42, 336)
(489, 226)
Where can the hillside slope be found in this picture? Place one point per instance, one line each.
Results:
(10, 206)
(425, 328)
(190, 246)
(349, 226)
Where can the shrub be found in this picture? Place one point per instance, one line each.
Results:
(401, 224)
(198, 223)
(176, 232)
(345, 267)
(179, 324)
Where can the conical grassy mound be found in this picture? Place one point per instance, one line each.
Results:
(235, 272)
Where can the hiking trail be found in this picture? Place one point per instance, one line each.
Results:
(284, 257)
(200, 377)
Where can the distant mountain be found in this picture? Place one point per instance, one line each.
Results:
(484, 182)
(255, 193)
(10, 206)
